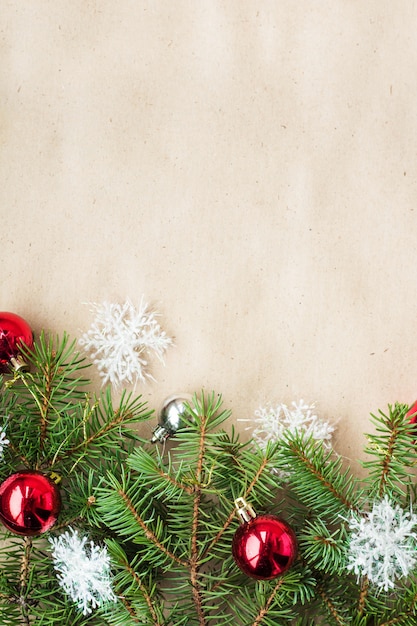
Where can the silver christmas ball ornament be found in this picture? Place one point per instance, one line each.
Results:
(170, 417)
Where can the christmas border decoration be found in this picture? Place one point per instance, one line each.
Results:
(191, 525)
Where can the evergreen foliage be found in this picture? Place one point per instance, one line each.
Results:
(167, 517)
(54, 426)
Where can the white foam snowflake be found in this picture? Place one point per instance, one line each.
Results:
(383, 544)
(120, 340)
(272, 423)
(83, 570)
(3, 441)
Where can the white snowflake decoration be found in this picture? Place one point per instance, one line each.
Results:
(120, 340)
(3, 441)
(273, 423)
(383, 544)
(83, 570)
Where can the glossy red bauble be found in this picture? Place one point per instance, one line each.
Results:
(264, 547)
(412, 413)
(14, 332)
(29, 503)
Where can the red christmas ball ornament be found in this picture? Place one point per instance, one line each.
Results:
(30, 503)
(264, 546)
(412, 413)
(14, 332)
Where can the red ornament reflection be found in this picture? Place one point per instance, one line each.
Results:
(29, 503)
(14, 331)
(264, 547)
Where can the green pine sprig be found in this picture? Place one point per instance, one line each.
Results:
(55, 425)
(176, 508)
(392, 451)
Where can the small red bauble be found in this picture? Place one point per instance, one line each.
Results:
(14, 331)
(412, 412)
(264, 547)
(29, 503)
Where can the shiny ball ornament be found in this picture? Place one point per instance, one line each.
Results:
(14, 332)
(412, 413)
(170, 417)
(264, 547)
(29, 503)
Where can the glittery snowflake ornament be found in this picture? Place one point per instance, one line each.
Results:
(383, 544)
(83, 570)
(121, 339)
(272, 423)
(3, 441)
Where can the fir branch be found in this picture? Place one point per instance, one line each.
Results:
(322, 477)
(42, 399)
(146, 530)
(386, 462)
(264, 610)
(123, 562)
(14, 448)
(400, 616)
(87, 414)
(95, 426)
(194, 559)
(232, 515)
(175, 483)
(24, 576)
(317, 477)
(322, 548)
(117, 419)
(137, 591)
(364, 589)
(392, 450)
(44, 408)
(330, 606)
(144, 462)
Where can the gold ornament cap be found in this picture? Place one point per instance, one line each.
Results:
(244, 510)
(18, 363)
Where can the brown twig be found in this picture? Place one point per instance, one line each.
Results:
(24, 575)
(148, 533)
(387, 462)
(331, 607)
(363, 593)
(194, 560)
(145, 594)
(187, 488)
(265, 609)
(326, 483)
(44, 408)
(117, 419)
(232, 514)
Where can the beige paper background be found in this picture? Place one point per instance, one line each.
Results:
(249, 166)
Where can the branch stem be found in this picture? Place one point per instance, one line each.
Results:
(386, 463)
(145, 594)
(264, 610)
(24, 575)
(322, 478)
(148, 533)
(362, 596)
(232, 513)
(331, 607)
(194, 560)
